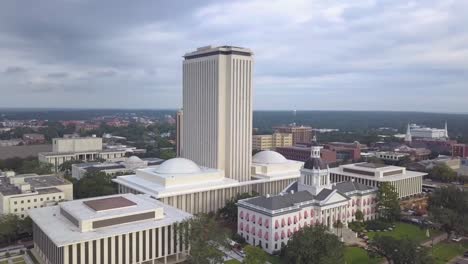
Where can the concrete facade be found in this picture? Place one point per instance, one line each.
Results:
(271, 142)
(20, 193)
(217, 103)
(147, 231)
(407, 183)
(75, 148)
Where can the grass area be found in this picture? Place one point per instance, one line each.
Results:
(356, 255)
(274, 259)
(232, 261)
(403, 230)
(445, 251)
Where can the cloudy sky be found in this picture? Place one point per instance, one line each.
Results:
(328, 54)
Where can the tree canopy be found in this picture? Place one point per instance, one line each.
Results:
(254, 255)
(449, 207)
(229, 212)
(443, 173)
(93, 184)
(400, 251)
(314, 245)
(205, 236)
(388, 204)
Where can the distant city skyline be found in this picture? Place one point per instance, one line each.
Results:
(309, 55)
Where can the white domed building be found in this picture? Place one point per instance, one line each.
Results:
(182, 183)
(270, 164)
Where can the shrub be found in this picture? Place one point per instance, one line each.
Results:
(377, 225)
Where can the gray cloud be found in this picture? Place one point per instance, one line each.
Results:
(14, 70)
(363, 54)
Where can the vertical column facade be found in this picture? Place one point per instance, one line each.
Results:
(217, 103)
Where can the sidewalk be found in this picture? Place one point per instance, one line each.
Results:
(436, 240)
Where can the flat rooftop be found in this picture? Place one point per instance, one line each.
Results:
(37, 182)
(109, 203)
(63, 232)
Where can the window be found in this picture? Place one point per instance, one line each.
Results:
(22, 202)
(42, 199)
(47, 198)
(35, 200)
(16, 202)
(22, 209)
(60, 197)
(266, 245)
(29, 201)
(276, 246)
(16, 210)
(22, 216)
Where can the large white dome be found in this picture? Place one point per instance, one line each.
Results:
(268, 157)
(178, 166)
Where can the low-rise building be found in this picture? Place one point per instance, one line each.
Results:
(269, 221)
(300, 134)
(390, 155)
(10, 142)
(78, 148)
(124, 228)
(19, 193)
(271, 142)
(124, 167)
(34, 138)
(302, 153)
(460, 150)
(407, 183)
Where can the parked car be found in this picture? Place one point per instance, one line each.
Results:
(457, 239)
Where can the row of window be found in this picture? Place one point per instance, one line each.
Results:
(35, 200)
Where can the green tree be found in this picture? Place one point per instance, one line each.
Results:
(8, 227)
(205, 236)
(66, 167)
(359, 215)
(314, 245)
(443, 173)
(229, 212)
(35, 166)
(167, 154)
(25, 225)
(388, 204)
(400, 251)
(254, 255)
(449, 207)
(94, 184)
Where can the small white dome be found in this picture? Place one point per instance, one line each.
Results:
(134, 159)
(268, 157)
(178, 166)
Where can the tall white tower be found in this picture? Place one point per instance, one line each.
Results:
(408, 137)
(315, 175)
(446, 130)
(217, 103)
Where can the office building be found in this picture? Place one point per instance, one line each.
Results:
(460, 150)
(269, 221)
(123, 167)
(271, 142)
(422, 132)
(217, 103)
(123, 228)
(390, 155)
(407, 183)
(300, 134)
(302, 153)
(78, 148)
(179, 129)
(20, 193)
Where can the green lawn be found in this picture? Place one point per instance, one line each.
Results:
(445, 251)
(403, 230)
(356, 255)
(274, 259)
